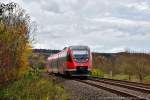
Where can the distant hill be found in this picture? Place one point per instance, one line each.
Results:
(107, 55)
(49, 52)
(46, 52)
(112, 55)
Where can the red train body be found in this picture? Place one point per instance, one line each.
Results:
(71, 61)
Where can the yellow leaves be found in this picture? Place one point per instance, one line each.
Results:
(1, 27)
(24, 61)
(14, 45)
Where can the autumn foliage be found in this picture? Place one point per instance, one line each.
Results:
(14, 42)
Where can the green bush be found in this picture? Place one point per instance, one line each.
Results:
(97, 73)
(33, 87)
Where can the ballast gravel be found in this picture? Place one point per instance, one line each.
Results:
(81, 91)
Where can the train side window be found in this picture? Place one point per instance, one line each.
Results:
(52, 63)
(49, 64)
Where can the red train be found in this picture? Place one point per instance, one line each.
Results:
(71, 61)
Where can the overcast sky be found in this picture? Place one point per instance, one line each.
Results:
(103, 25)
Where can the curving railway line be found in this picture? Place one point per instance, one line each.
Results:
(131, 90)
(139, 84)
(125, 89)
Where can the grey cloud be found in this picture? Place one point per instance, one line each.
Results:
(104, 25)
(50, 6)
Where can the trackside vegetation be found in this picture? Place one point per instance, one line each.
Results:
(33, 87)
(97, 73)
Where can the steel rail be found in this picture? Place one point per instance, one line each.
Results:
(144, 85)
(115, 91)
(131, 87)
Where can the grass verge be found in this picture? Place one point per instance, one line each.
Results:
(33, 87)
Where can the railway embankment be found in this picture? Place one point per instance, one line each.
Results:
(78, 90)
(100, 89)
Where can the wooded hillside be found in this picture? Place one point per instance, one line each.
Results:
(131, 64)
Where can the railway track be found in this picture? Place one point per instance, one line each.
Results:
(121, 88)
(139, 84)
(126, 84)
(125, 89)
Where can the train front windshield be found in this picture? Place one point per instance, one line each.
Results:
(81, 54)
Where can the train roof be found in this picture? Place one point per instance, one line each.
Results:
(54, 56)
(78, 47)
(73, 47)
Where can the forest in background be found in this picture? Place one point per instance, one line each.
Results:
(127, 65)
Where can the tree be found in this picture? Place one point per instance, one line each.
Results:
(136, 64)
(14, 41)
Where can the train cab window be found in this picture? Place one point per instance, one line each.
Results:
(80, 53)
